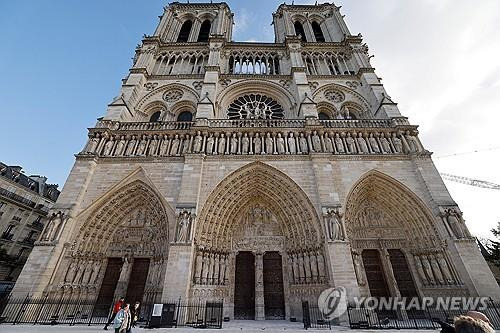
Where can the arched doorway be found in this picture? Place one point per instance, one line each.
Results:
(258, 217)
(120, 249)
(395, 243)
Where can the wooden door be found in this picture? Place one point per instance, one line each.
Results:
(375, 273)
(274, 300)
(137, 280)
(244, 286)
(402, 274)
(108, 286)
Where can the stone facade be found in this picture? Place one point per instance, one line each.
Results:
(24, 205)
(288, 152)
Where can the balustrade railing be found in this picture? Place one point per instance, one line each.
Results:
(235, 123)
(256, 60)
(155, 126)
(357, 123)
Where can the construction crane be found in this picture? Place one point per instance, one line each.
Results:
(470, 181)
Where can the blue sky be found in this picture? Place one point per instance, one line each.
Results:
(62, 61)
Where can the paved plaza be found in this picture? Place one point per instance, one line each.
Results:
(234, 326)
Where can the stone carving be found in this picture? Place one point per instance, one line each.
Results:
(237, 143)
(420, 271)
(255, 106)
(455, 223)
(198, 141)
(334, 95)
(184, 222)
(172, 95)
(358, 268)
(210, 267)
(333, 224)
(427, 269)
(307, 267)
(150, 86)
(443, 264)
(53, 227)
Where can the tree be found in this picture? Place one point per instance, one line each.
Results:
(493, 247)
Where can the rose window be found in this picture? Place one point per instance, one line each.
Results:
(255, 106)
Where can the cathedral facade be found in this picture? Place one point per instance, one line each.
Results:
(256, 173)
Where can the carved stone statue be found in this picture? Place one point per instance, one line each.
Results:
(131, 146)
(428, 270)
(316, 142)
(70, 275)
(412, 142)
(125, 269)
(95, 272)
(257, 144)
(291, 144)
(174, 149)
(210, 144)
(153, 145)
(386, 147)
(245, 144)
(397, 143)
(351, 145)
(141, 148)
(92, 144)
(445, 268)
(328, 143)
(186, 145)
(280, 144)
(435, 268)
(454, 220)
(339, 144)
(334, 225)
(222, 144)
(108, 147)
(53, 226)
(303, 144)
(198, 141)
(87, 273)
(363, 147)
(165, 146)
(269, 144)
(120, 146)
(234, 144)
(420, 270)
(358, 268)
(184, 226)
(199, 265)
(374, 144)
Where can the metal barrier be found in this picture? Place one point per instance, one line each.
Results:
(313, 318)
(61, 311)
(190, 313)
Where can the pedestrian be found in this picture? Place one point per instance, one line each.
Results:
(467, 324)
(123, 321)
(136, 312)
(116, 308)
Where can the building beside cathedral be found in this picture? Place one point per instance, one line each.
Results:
(256, 173)
(24, 204)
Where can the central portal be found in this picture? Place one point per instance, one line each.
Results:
(244, 286)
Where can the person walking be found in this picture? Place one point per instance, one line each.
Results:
(116, 308)
(123, 320)
(136, 312)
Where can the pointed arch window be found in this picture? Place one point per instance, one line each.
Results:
(299, 31)
(204, 31)
(318, 33)
(185, 31)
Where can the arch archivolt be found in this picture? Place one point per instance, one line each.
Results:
(258, 184)
(247, 87)
(130, 221)
(341, 97)
(168, 95)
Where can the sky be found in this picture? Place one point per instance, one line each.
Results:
(62, 61)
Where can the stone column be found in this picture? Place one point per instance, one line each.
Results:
(392, 284)
(122, 284)
(259, 287)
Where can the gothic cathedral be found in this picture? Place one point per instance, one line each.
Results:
(256, 173)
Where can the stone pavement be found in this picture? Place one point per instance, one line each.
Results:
(234, 326)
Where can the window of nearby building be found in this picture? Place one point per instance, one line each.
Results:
(299, 31)
(155, 117)
(204, 31)
(318, 33)
(185, 31)
(185, 116)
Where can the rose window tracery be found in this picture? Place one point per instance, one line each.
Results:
(255, 106)
(334, 96)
